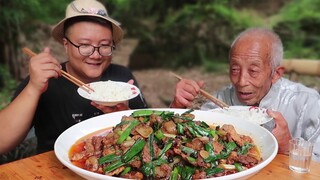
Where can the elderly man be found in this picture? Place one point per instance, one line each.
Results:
(256, 75)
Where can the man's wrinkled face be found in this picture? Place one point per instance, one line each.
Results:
(87, 68)
(250, 70)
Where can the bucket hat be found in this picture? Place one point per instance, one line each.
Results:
(87, 8)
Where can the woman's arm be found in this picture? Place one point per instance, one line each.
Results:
(16, 118)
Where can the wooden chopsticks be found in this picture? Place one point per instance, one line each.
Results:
(68, 76)
(215, 100)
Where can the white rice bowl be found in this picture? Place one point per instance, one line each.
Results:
(252, 114)
(110, 93)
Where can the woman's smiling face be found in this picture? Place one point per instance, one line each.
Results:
(87, 68)
(250, 69)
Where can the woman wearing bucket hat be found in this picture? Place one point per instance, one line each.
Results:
(89, 37)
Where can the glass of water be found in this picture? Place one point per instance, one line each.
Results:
(300, 152)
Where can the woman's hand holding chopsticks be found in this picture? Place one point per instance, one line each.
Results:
(42, 67)
(48, 60)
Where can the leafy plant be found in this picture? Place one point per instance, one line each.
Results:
(298, 27)
(9, 84)
(184, 33)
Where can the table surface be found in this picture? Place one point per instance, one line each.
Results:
(47, 166)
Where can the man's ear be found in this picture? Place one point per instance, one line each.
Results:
(278, 73)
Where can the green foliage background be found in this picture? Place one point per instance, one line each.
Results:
(188, 33)
(180, 33)
(298, 25)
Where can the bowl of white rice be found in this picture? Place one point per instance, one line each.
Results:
(252, 114)
(110, 93)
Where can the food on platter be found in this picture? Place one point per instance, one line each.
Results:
(160, 144)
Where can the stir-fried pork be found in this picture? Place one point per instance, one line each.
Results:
(178, 146)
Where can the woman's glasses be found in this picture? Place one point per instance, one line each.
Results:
(88, 49)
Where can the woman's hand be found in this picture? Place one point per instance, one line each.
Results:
(110, 109)
(42, 67)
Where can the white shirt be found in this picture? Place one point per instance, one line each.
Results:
(299, 105)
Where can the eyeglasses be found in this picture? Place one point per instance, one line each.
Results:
(88, 49)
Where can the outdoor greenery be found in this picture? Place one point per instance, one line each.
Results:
(298, 25)
(188, 33)
(180, 33)
(184, 34)
(18, 21)
(9, 84)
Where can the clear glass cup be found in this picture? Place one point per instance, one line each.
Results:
(300, 152)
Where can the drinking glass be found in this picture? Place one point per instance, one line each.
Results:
(300, 152)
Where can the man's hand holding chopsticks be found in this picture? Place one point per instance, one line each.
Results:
(185, 92)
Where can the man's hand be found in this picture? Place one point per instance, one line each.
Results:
(281, 131)
(185, 92)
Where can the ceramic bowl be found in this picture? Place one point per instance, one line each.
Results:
(265, 141)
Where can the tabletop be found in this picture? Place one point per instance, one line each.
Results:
(47, 166)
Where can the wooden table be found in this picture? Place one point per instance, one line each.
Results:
(47, 166)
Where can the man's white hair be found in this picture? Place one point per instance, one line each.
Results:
(276, 47)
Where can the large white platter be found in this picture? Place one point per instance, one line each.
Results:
(263, 138)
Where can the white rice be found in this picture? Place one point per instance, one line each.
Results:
(110, 91)
(253, 114)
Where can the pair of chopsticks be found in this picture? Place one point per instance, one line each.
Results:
(68, 76)
(215, 100)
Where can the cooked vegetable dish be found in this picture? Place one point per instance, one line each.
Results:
(151, 144)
